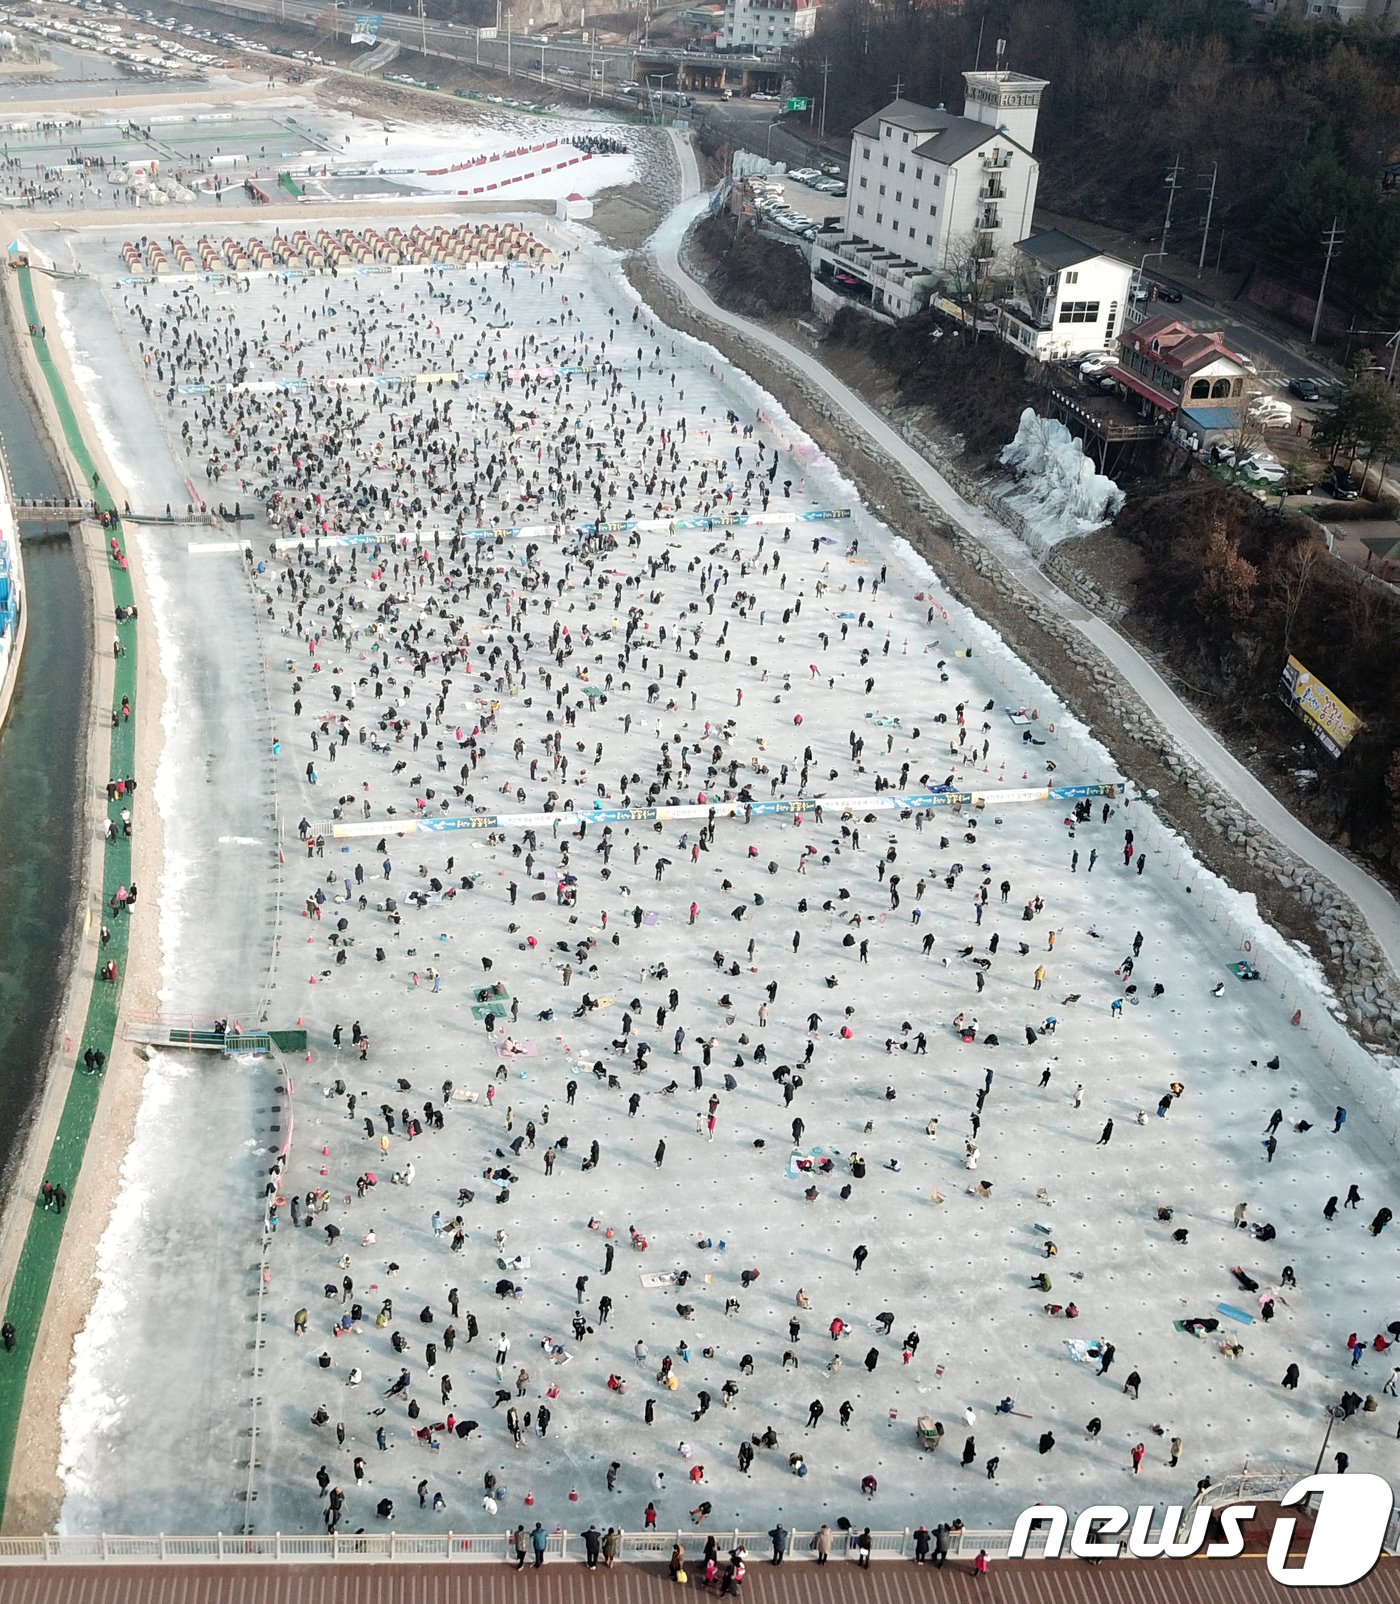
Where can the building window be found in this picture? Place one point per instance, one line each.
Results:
(882, 189)
(887, 131)
(911, 233)
(865, 153)
(862, 181)
(898, 197)
(1072, 278)
(906, 139)
(918, 172)
(1112, 322)
(914, 205)
(879, 218)
(1200, 390)
(937, 179)
(860, 211)
(901, 167)
(884, 161)
(1079, 312)
(1220, 390)
(928, 239)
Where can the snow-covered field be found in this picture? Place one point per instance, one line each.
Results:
(804, 614)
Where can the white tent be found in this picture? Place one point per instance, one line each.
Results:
(573, 208)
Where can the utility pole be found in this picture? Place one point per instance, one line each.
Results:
(826, 73)
(423, 27)
(1210, 207)
(1170, 182)
(1332, 239)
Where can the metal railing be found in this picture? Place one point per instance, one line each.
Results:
(651, 1547)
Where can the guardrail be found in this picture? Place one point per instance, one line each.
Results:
(70, 1548)
(645, 1548)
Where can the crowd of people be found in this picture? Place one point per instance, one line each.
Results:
(848, 1086)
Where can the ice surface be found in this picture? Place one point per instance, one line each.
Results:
(959, 1271)
(1061, 492)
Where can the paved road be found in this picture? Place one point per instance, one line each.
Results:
(512, 50)
(1375, 903)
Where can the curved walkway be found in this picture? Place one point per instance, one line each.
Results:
(1372, 900)
(28, 1292)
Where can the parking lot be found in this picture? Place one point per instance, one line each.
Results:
(793, 206)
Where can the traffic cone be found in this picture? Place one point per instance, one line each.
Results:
(573, 1495)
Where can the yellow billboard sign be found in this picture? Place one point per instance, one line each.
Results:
(1326, 715)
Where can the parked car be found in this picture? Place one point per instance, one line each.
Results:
(1261, 466)
(831, 169)
(1340, 483)
(1096, 365)
(1306, 388)
(1164, 292)
(1270, 412)
(803, 175)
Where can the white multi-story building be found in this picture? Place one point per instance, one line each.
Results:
(1066, 297)
(766, 27)
(931, 195)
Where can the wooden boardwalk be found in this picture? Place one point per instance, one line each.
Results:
(1241, 1581)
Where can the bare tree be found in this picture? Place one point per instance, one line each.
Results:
(1292, 579)
(975, 271)
(1246, 435)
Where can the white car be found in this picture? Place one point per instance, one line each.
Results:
(1095, 366)
(1269, 411)
(803, 175)
(1265, 468)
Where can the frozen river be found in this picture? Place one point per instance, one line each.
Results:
(793, 655)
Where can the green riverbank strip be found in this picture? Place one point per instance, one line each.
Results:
(24, 1306)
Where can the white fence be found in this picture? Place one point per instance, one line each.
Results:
(652, 1547)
